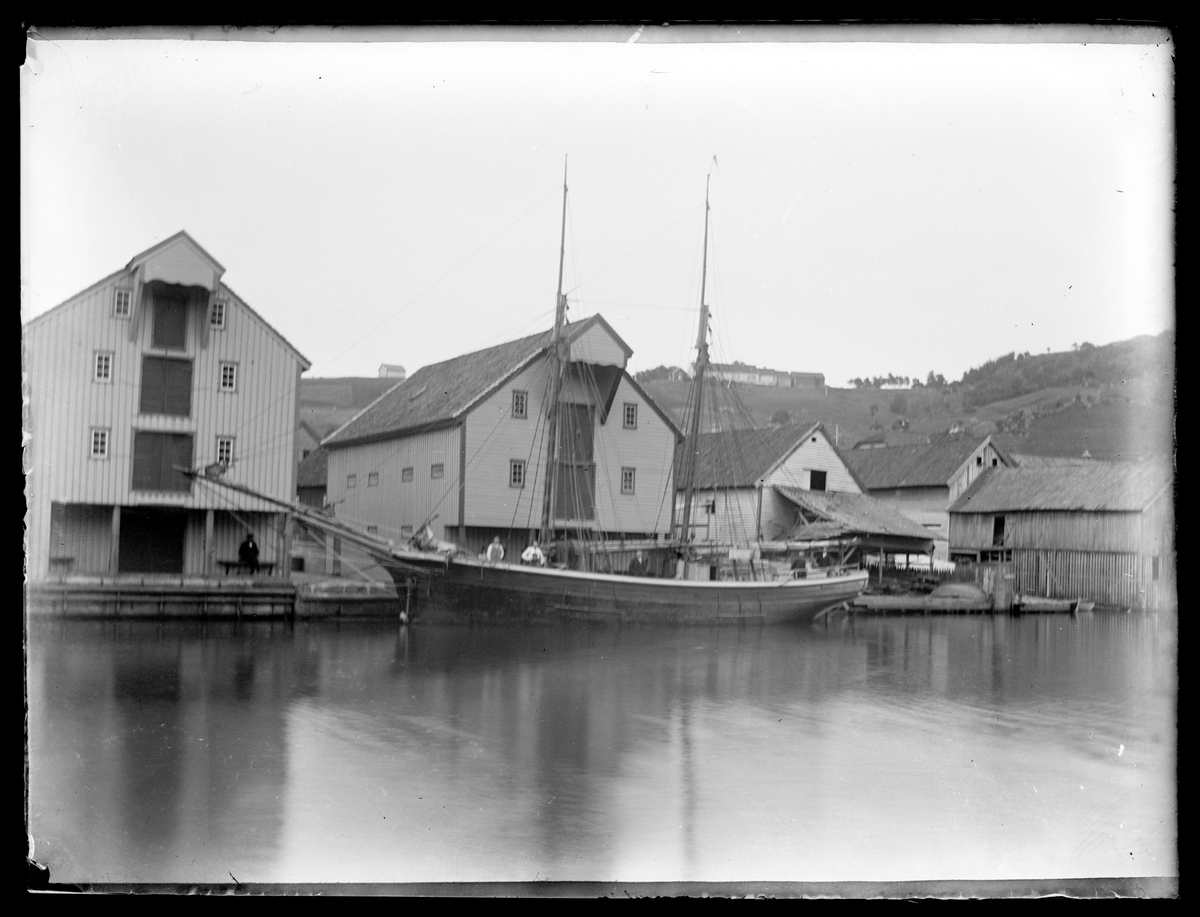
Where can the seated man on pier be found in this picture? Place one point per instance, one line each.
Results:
(248, 553)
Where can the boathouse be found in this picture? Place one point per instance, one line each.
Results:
(459, 446)
(1102, 531)
(921, 481)
(158, 366)
(788, 488)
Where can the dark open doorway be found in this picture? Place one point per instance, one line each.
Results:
(152, 540)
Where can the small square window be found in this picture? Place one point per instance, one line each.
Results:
(373, 479)
(225, 450)
(406, 531)
(631, 416)
(229, 377)
(979, 461)
(520, 406)
(816, 480)
(628, 476)
(516, 473)
(995, 462)
(406, 474)
(122, 302)
(217, 318)
(100, 442)
(104, 361)
(437, 471)
(372, 530)
(351, 481)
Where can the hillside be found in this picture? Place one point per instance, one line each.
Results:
(1125, 409)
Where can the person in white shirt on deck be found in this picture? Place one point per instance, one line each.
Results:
(533, 555)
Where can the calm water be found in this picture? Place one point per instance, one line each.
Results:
(871, 749)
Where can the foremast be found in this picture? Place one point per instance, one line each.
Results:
(557, 365)
(692, 445)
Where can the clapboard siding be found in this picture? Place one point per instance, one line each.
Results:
(495, 438)
(597, 346)
(66, 403)
(394, 503)
(734, 520)
(816, 453)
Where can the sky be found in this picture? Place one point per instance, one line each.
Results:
(899, 200)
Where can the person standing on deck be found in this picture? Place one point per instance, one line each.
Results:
(533, 555)
(495, 551)
(248, 553)
(639, 566)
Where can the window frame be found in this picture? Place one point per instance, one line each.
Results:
(629, 472)
(812, 480)
(104, 441)
(626, 422)
(406, 475)
(351, 481)
(221, 308)
(372, 478)
(516, 472)
(520, 397)
(230, 440)
(221, 386)
(122, 296)
(437, 471)
(109, 357)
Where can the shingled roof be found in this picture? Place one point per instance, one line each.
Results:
(441, 393)
(851, 514)
(931, 465)
(739, 458)
(1092, 487)
(314, 469)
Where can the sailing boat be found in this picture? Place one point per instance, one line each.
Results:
(440, 583)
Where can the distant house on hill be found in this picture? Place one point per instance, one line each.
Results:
(459, 446)
(786, 485)
(921, 481)
(754, 375)
(391, 371)
(1098, 530)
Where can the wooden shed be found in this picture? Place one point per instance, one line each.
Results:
(1102, 531)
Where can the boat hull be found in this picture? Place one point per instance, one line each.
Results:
(469, 590)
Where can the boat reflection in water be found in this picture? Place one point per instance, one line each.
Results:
(871, 749)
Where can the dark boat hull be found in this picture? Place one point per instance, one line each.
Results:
(469, 590)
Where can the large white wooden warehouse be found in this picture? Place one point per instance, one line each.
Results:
(156, 366)
(459, 445)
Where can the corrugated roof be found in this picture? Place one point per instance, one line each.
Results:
(855, 513)
(1094, 486)
(442, 392)
(931, 465)
(739, 458)
(314, 470)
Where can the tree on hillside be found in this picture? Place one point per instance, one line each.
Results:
(781, 418)
(899, 405)
(874, 409)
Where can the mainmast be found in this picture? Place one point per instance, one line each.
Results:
(557, 364)
(692, 446)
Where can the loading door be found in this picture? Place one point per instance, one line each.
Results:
(152, 540)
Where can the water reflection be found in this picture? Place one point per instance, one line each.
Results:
(874, 748)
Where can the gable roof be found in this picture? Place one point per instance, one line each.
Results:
(851, 514)
(742, 458)
(931, 465)
(439, 394)
(314, 470)
(181, 236)
(1093, 487)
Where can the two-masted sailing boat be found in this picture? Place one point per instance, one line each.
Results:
(440, 583)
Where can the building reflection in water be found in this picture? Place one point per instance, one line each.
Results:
(874, 748)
